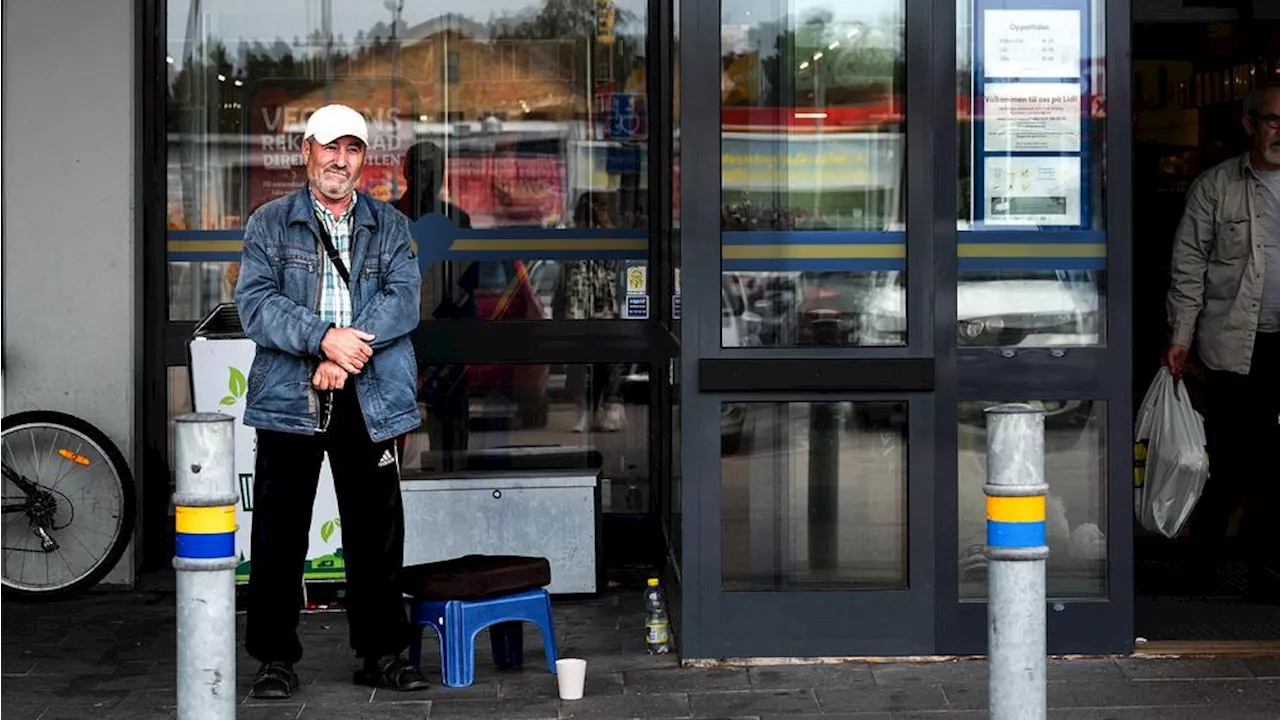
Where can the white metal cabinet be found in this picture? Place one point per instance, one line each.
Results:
(551, 515)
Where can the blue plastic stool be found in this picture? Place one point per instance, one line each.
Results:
(458, 622)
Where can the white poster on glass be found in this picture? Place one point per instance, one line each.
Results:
(1031, 117)
(1032, 44)
(1032, 191)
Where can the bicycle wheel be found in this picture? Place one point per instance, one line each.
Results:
(69, 505)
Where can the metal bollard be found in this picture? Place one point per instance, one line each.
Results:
(1016, 554)
(204, 558)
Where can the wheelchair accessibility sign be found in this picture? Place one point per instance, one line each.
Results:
(628, 117)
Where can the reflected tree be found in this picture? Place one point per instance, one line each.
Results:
(818, 62)
(576, 21)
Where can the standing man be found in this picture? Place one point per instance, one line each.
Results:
(328, 291)
(1225, 298)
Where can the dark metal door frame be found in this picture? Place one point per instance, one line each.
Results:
(1095, 373)
(723, 624)
(931, 373)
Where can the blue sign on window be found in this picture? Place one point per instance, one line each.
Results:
(627, 117)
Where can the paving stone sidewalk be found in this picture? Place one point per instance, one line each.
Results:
(111, 655)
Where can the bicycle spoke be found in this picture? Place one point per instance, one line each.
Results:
(94, 557)
(81, 495)
(87, 551)
(32, 460)
(55, 468)
(36, 453)
(63, 557)
(14, 456)
(108, 536)
(63, 472)
(74, 468)
(66, 467)
(114, 485)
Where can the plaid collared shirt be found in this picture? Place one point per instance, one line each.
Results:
(335, 297)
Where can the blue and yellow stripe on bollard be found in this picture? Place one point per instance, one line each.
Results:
(205, 533)
(1015, 522)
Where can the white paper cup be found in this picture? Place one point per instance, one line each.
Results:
(571, 674)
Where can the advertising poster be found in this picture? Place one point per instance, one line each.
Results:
(506, 186)
(1032, 44)
(1032, 190)
(219, 372)
(1031, 117)
(763, 163)
(278, 110)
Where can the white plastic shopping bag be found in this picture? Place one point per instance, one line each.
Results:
(1176, 463)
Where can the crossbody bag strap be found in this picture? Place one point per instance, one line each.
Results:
(341, 267)
(334, 257)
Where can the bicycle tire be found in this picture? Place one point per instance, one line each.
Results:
(128, 512)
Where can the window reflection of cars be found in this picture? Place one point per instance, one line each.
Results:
(504, 291)
(1025, 308)
(543, 276)
(773, 298)
(1050, 308)
(1003, 308)
(997, 309)
(739, 327)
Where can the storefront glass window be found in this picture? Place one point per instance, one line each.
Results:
(812, 183)
(574, 413)
(1075, 461)
(1031, 90)
(814, 496)
(511, 132)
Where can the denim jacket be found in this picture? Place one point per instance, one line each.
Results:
(278, 295)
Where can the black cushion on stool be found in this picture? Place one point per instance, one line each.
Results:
(473, 577)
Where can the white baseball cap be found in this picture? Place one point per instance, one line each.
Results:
(334, 121)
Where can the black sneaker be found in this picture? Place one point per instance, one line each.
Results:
(275, 681)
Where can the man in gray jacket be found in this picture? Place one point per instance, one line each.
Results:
(1224, 299)
(328, 291)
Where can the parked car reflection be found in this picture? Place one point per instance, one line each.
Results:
(1001, 308)
(505, 290)
(1006, 308)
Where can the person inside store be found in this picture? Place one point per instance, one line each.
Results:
(588, 290)
(441, 386)
(1224, 303)
(329, 292)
